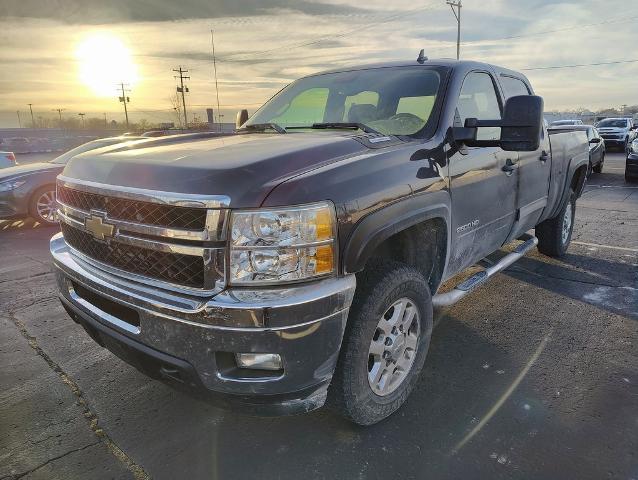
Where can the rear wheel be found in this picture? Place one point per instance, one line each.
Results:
(555, 234)
(385, 345)
(599, 168)
(43, 206)
(630, 178)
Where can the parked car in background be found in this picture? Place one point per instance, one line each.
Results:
(563, 123)
(17, 144)
(617, 132)
(596, 145)
(29, 190)
(631, 165)
(155, 133)
(7, 159)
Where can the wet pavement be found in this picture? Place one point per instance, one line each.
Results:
(534, 375)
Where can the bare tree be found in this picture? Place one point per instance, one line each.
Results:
(176, 103)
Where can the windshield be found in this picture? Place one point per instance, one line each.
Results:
(65, 157)
(613, 123)
(564, 122)
(397, 101)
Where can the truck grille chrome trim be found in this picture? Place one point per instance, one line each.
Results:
(159, 237)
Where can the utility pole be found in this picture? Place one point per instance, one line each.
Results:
(59, 110)
(182, 89)
(31, 110)
(82, 117)
(456, 10)
(19, 121)
(124, 99)
(624, 108)
(212, 41)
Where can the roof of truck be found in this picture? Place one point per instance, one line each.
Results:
(438, 62)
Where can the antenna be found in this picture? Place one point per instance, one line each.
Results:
(422, 58)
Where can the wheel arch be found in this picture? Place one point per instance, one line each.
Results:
(415, 230)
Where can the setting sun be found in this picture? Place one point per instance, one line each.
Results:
(104, 62)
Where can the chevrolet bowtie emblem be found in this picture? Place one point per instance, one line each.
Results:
(96, 226)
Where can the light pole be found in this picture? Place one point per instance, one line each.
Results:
(82, 117)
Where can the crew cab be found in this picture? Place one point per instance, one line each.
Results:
(298, 262)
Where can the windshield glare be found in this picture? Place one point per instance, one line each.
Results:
(613, 123)
(396, 101)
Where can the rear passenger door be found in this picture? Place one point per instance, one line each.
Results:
(533, 168)
(483, 193)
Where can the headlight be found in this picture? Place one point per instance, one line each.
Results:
(282, 245)
(11, 185)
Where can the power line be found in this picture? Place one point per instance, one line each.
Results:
(578, 65)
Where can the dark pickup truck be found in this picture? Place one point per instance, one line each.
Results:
(298, 262)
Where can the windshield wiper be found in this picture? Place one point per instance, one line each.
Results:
(264, 126)
(355, 125)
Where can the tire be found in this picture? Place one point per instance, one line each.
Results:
(555, 234)
(42, 203)
(599, 168)
(380, 289)
(630, 178)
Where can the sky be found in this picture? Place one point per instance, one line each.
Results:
(70, 54)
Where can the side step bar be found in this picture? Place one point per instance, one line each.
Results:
(461, 290)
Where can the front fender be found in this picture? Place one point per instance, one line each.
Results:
(380, 225)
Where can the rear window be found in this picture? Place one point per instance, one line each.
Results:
(514, 87)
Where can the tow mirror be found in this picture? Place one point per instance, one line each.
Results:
(520, 128)
(242, 117)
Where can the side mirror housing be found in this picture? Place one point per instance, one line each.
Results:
(242, 117)
(521, 126)
(595, 140)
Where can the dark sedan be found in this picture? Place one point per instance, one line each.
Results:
(29, 190)
(597, 149)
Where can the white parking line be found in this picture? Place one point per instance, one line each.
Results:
(611, 186)
(624, 249)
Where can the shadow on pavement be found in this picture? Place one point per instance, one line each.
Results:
(23, 224)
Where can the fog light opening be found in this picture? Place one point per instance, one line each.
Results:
(259, 361)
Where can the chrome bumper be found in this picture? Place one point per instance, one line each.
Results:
(304, 324)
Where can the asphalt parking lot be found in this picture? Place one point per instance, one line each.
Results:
(535, 375)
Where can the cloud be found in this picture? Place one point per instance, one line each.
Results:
(118, 11)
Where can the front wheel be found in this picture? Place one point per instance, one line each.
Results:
(555, 234)
(385, 344)
(44, 208)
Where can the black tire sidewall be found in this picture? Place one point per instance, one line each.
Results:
(377, 293)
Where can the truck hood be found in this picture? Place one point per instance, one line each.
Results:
(28, 169)
(243, 167)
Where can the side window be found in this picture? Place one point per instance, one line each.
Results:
(305, 109)
(514, 86)
(478, 99)
(590, 133)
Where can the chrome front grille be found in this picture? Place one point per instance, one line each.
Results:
(135, 211)
(175, 268)
(174, 241)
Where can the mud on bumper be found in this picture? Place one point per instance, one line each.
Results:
(191, 342)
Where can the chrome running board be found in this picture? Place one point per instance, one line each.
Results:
(462, 289)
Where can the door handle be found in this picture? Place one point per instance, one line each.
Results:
(544, 156)
(509, 166)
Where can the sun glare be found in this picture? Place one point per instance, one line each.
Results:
(104, 62)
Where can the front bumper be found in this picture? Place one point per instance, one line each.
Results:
(190, 341)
